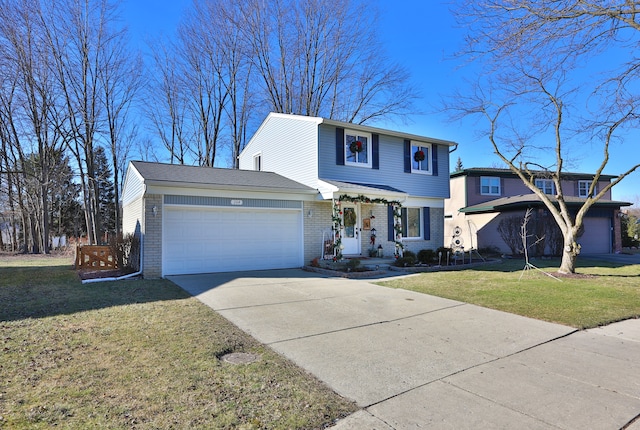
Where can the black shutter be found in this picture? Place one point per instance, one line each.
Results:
(426, 216)
(407, 156)
(390, 223)
(340, 146)
(375, 151)
(434, 160)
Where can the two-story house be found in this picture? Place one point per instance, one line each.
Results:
(482, 197)
(307, 187)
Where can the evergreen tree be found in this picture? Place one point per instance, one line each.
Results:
(458, 165)
(106, 194)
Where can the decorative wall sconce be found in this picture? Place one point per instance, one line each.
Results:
(154, 209)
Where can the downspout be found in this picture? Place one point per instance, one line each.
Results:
(455, 146)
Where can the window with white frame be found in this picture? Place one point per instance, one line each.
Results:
(357, 148)
(411, 223)
(490, 186)
(420, 157)
(257, 162)
(583, 189)
(546, 186)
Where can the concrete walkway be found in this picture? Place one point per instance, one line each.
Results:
(411, 360)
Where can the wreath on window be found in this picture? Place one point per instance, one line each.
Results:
(419, 155)
(356, 146)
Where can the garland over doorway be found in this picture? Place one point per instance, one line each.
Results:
(337, 221)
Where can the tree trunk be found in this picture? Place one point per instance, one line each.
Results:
(569, 255)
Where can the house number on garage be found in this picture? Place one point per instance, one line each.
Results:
(236, 202)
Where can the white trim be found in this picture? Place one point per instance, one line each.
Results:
(420, 220)
(587, 183)
(347, 151)
(258, 157)
(499, 193)
(428, 157)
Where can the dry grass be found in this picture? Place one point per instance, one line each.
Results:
(137, 354)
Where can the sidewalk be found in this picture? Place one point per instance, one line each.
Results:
(416, 361)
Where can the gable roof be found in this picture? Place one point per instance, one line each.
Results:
(358, 127)
(523, 201)
(208, 177)
(507, 173)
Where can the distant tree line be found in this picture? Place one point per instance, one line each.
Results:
(74, 104)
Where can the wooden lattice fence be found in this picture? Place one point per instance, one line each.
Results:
(95, 257)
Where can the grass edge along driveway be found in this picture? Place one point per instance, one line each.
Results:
(138, 354)
(600, 293)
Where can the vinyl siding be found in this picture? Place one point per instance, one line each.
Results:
(133, 186)
(288, 146)
(391, 167)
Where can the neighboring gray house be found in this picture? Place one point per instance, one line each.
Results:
(307, 188)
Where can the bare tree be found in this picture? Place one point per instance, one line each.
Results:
(167, 107)
(532, 83)
(323, 58)
(28, 105)
(121, 82)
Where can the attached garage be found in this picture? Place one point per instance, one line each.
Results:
(205, 239)
(594, 240)
(201, 219)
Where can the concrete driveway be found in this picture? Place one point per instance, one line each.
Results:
(416, 361)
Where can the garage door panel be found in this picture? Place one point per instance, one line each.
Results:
(596, 238)
(201, 240)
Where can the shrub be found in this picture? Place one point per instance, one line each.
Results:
(353, 264)
(404, 262)
(409, 254)
(427, 256)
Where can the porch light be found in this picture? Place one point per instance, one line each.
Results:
(373, 232)
(154, 209)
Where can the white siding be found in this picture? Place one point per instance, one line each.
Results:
(132, 202)
(133, 186)
(288, 145)
(132, 217)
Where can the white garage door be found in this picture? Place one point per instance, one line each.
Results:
(203, 240)
(596, 238)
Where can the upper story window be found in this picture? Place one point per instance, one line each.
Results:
(583, 188)
(411, 223)
(546, 186)
(490, 186)
(257, 162)
(420, 157)
(357, 148)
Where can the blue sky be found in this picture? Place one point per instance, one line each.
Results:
(422, 36)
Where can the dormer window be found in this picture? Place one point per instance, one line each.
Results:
(357, 148)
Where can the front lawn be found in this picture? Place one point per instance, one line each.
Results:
(137, 354)
(604, 293)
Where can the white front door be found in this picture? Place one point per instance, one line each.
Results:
(350, 229)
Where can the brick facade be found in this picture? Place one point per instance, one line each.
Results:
(152, 237)
(317, 220)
